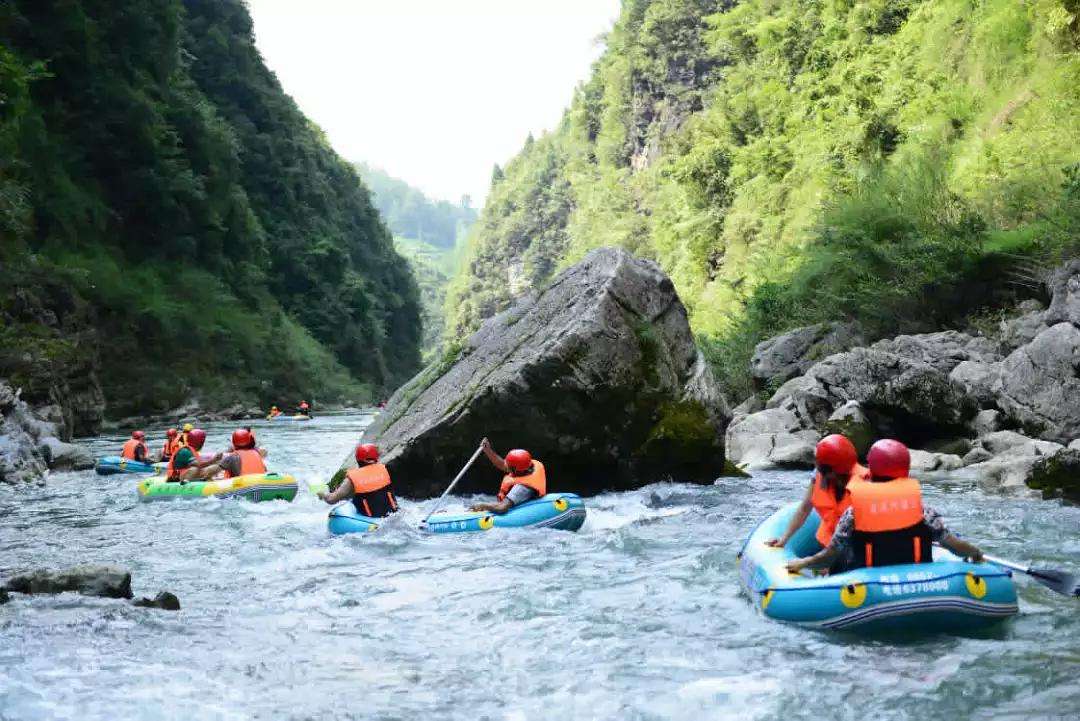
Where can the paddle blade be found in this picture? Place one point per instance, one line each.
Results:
(1064, 583)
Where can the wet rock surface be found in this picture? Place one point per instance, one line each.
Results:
(164, 600)
(88, 580)
(598, 376)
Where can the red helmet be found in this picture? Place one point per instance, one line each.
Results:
(836, 452)
(519, 460)
(138, 435)
(367, 453)
(243, 438)
(889, 459)
(196, 438)
(171, 433)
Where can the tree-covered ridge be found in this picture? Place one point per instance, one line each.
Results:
(409, 213)
(157, 177)
(740, 143)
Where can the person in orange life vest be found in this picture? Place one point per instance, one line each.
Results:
(525, 479)
(368, 485)
(182, 439)
(172, 444)
(185, 465)
(135, 448)
(836, 465)
(245, 458)
(887, 523)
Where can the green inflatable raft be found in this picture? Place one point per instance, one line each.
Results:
(255, 487)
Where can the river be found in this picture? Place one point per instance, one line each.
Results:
(637, 616)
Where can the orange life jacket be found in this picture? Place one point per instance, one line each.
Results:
(251, 462)
(889, 525)
(165, 449)
(174, 445)
(372, 492)
(172, 473)
(535, 479)
(823, 498)
(129, 450)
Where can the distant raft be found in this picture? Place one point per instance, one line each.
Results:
(562, 511)
(111, 465)
(295, 417)
(254, 487)
(948, 595)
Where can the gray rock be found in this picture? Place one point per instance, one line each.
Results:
(1074, 445)
(791, 354)
(753, 404)
(978, 379)
(1007, 475)
(1012, 444)
(1019, 331)
(597, 375)
(1057, 476)
(1064, 287)
(164, 600)
(977, 454)
(751, 441)
(926, 461)
(107, 581)
(21, 460)
(850, 420)
(1038, 387)
(987, 421)
(62, 456)
(794, 450)
(942, 351)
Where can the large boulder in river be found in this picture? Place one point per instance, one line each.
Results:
(597, 375)
(107, 581)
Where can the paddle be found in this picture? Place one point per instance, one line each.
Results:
(1061, 582)
(438, 504)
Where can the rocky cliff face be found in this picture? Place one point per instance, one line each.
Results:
(1003, 405)
(597, 375)
(20, 458)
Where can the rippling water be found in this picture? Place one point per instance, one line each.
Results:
(637, 616)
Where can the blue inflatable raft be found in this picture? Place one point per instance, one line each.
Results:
(562, 511)
(344, 518)
(110, 465)
(948, 595)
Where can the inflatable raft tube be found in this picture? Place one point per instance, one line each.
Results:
(344, 518)
(254, 487)
(283, 417)
(111, 465)
(949, 595)
(562, 511)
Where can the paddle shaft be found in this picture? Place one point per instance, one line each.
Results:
(438, 504)
(1057, 581)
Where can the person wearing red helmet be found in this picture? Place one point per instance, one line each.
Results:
(186, 465)
(303, 408)
(135, 449)
(836, 465)
(245, 458)
(171, 445)
(887, 523)
(368, 485)
(525, 479)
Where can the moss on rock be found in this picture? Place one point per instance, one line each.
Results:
(1058, 476)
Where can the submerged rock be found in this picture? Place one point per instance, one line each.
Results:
(164, 600)
(597, 375)
(4, 597)
(107, 581)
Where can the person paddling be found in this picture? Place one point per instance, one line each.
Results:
(368, 485)
(525, 479)
(836, 466)
(171, 445)
(185, 465)
(887, 523)
(246, 458)
(274, 412)
(304, 409)
(135, 449)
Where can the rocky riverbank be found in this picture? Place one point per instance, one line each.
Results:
(1002, 407)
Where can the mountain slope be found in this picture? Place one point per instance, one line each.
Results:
(173, 221)
(775, 156)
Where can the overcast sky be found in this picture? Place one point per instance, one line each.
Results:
(433, 91)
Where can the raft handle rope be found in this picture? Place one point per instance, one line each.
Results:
(438, 504)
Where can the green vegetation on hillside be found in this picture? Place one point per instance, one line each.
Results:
(167, 210)
(881, 160)
(411, 214)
